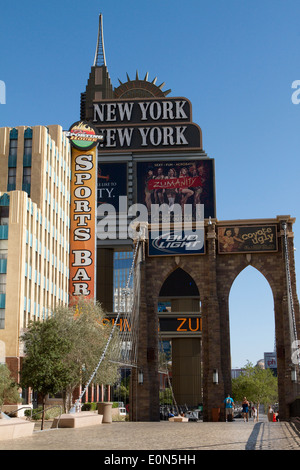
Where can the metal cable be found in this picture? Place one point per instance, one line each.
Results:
(111, 333)
(168, 375)
(289, 286)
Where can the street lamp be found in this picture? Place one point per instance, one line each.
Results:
(294, 375)
(215, 376)
(140, 377)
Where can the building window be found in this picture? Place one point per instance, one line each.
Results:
(13, 147)
(2, 318)
(27, 152)
(26, 180)
(2, 283)
(3, 249)
(4, 215)
(28, 147)
(3, 262)
(27, 175)
(11, 183)
(2, 301)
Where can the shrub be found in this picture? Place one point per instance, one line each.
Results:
(89, 406)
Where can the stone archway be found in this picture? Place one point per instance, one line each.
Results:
(251, 318)
(272, 266)
(180, 291)
(214, 274)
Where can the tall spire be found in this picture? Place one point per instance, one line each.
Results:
(100, 60)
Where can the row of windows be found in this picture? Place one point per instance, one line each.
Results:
(38, 246)
(58, 180)
(12, 160)
(13, 146)
(27, 163)
(4, 216)
(34, 309)
(41, 292)
(37, 276)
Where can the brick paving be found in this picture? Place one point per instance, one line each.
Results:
(164, 435)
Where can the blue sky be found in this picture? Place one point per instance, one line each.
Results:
(235, 60)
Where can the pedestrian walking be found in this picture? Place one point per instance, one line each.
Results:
(229, 404)
(270, 413)
(245, 409)
(254, 413)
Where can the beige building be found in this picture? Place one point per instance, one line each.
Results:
(34, 230)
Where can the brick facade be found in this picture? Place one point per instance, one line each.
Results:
(214, 275)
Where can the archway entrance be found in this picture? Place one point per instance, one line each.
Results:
(251, 318)
(185, 280)
(179, 303)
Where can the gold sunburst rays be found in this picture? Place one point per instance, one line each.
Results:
(140, 87)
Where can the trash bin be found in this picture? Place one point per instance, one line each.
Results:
(104, 408)
(215, 413)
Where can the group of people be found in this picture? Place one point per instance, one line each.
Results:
(179, 192)
(246, 409)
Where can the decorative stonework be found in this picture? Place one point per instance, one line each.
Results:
(214, 275)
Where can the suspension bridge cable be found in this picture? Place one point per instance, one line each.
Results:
(126, 352)
(293, 331)
(111, 333)
(168, 375)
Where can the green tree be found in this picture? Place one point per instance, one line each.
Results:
(85, 326)
(166, 397)
(43, 368)
(8, 388)
(63, 351)
(257, 384)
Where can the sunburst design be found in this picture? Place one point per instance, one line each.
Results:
(140, 88)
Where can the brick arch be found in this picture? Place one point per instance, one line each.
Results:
(261, 265)
(267, 276)
(214, 274)
(168, 270)
(269, 313)
(179, 283)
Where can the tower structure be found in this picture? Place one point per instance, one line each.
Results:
(99, 86)
(99, 89)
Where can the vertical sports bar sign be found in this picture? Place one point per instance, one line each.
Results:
(84, 139)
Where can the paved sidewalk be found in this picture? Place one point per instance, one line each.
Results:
(164, 435)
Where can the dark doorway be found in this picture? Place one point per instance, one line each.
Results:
(180, 284)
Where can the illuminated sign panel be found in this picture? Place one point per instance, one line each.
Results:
(83, 209)
(135, 111)
(111, 183)
(148, 124)
(176, 242)
(247, 239)
(83, 136)
(179, 323)
(177, 182)
(270, 359)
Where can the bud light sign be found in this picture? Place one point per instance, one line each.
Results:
(176, 242)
